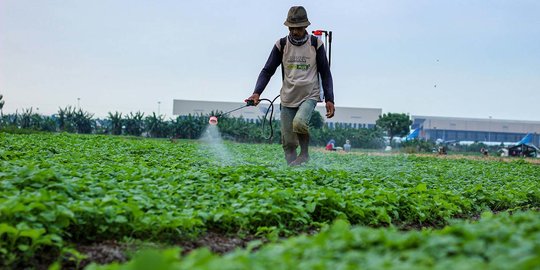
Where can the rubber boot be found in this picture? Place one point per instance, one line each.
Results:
(303, 157)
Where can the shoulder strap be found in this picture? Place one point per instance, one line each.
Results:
(314, 41)
(282, 42)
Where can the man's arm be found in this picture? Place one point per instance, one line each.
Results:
(273, 62)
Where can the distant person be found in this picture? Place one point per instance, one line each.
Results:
(347, 146)
(442, 150)
(331, 145)
(302, 58)
(484, 151)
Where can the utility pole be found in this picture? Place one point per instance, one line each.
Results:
(489, 129)
(158, 105)
(1, 109)
(78, 102)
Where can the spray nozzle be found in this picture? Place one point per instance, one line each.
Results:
(213, 120)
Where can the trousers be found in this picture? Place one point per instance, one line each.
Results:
(295, 121)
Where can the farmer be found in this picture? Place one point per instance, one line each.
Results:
(302, 58)
(331, 145)
(347, 146)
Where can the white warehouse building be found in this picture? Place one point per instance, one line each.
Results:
(475, 129)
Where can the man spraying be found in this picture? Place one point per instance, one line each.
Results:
(303, 59)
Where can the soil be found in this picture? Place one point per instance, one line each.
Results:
(112, 251)
(103, 253)
(216, 242)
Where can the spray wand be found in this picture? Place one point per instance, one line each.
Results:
(249, 102)
(214, 119)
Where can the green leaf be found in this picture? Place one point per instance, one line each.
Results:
(310, 207)
(422, 187)
(7, 229)
(23, 247)
(33, 233)
(120, 219)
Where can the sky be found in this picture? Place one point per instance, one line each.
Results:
(459, 58)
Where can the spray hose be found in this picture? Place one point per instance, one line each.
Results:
(271, 110)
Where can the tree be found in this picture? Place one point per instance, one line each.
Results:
(83, 121)
(395, 124)
(65, 119)
(116, 123)
(134, 123)
(316, 120)
(189, 127)
(156, 125)
(26, 119)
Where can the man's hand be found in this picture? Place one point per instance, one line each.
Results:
(330, 110)
(255, 98)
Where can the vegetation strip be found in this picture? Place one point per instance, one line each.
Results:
(58, 190)
(495, 242)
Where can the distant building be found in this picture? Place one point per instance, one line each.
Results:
(345, 116)
(488, 130)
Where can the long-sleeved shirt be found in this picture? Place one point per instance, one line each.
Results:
(301, 66)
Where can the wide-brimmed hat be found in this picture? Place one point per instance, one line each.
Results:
(297, 17)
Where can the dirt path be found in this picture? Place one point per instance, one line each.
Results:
(434, 155)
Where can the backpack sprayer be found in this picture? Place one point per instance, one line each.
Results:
(214, 119)
(327, 41)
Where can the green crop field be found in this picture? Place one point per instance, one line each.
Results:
(151, 200)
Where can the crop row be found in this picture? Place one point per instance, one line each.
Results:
(495, 242)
